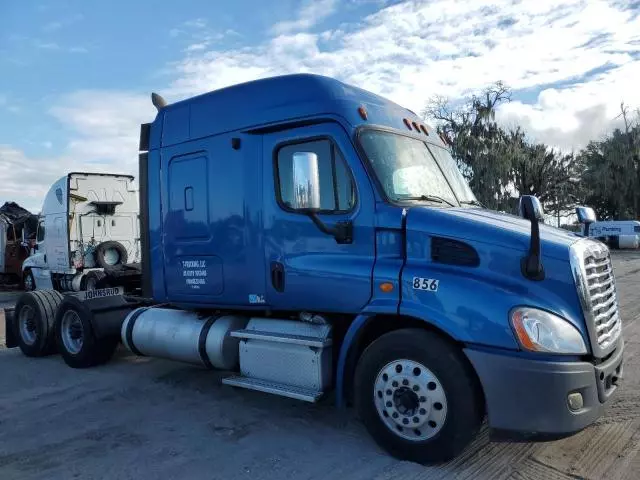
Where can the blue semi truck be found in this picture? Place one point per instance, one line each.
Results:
(310, 238)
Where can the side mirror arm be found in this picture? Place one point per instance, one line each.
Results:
(531, 265)
(342, 232)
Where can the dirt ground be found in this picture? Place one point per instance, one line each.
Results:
(143, 418)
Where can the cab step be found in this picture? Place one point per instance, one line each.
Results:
(283, 390)
(279, 337)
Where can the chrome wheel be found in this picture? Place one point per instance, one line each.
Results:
(72, 332)
(410, 400)
(27, 325)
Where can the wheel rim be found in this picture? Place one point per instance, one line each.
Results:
(72, 332)
(111, 256)
(410, 400)
(28, 282)
(28, 325)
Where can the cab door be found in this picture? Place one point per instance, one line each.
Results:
(307, 268)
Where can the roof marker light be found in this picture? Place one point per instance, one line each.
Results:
(415, 125)
(407, 123)
(424, 129)
(363, 112)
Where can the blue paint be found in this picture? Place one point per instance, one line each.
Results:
(221, 214)
(350, 336)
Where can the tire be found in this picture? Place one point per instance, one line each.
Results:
(33, 322)
(111, 253)
(92, 280)
(75, 338)
(28, 282)
(453, 403)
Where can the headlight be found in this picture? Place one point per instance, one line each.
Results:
(540, 331)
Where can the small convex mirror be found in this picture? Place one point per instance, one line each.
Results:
(585, 214)
(529, 207)
(306, 181)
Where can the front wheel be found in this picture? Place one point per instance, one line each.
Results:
(417, 396)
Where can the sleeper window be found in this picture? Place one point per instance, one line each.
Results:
(336, 185)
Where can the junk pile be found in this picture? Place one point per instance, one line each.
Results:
(17, 235)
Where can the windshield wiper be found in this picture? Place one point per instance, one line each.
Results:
(428, 198)
(472, 202)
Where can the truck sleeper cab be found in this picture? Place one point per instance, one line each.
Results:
(311, 236)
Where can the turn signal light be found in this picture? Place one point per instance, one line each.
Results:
(386, 287)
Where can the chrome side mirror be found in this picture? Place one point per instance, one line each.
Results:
(529, 207)
(306, 181)
(586, 215)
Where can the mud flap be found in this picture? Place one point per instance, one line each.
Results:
(11, 338)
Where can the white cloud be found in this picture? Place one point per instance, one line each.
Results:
(104, 129)
(311, 13)
(407, 52)
(63, 22)
(48, 45)
(416, 49)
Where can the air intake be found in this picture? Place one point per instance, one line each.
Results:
(453, 252)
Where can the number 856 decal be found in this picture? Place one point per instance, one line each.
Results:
(428, 284)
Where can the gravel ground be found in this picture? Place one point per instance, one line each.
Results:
(144, 418)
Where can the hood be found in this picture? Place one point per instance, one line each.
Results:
(486, 226)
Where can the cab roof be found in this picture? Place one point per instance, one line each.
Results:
(269, 101)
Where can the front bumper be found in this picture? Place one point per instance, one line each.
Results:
(529, 398)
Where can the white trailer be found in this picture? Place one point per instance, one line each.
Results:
(616, 233)
(88, 234)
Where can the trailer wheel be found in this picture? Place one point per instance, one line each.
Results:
(75, 337)
(417, 397)
(28, 282)
(111, 253)
(34, 320)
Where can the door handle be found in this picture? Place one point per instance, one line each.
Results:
(277, 276)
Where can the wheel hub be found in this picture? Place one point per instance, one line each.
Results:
(28, 325)
(406, 401)
(72, 332)
(410, 400)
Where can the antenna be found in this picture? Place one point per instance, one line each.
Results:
(158, 101)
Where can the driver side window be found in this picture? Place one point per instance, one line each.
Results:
(40, 235)
(335, 189)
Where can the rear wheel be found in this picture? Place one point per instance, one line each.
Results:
(33, 322)
(417, 396)
(75, 337)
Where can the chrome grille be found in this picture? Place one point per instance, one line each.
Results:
(596, 284)
(602, 296)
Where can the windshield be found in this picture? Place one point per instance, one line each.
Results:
(409, 169)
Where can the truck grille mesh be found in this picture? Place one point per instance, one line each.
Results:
(602, 298)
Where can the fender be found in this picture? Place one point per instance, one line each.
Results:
(350, 338)
(33, 261)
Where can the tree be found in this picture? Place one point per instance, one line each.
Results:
(500, 165)
(477, 142)
(611, 172)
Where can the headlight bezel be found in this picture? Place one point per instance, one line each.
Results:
(522, 317)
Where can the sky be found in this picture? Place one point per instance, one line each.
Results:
(76, 76)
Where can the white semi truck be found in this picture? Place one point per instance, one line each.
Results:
(87, 236)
